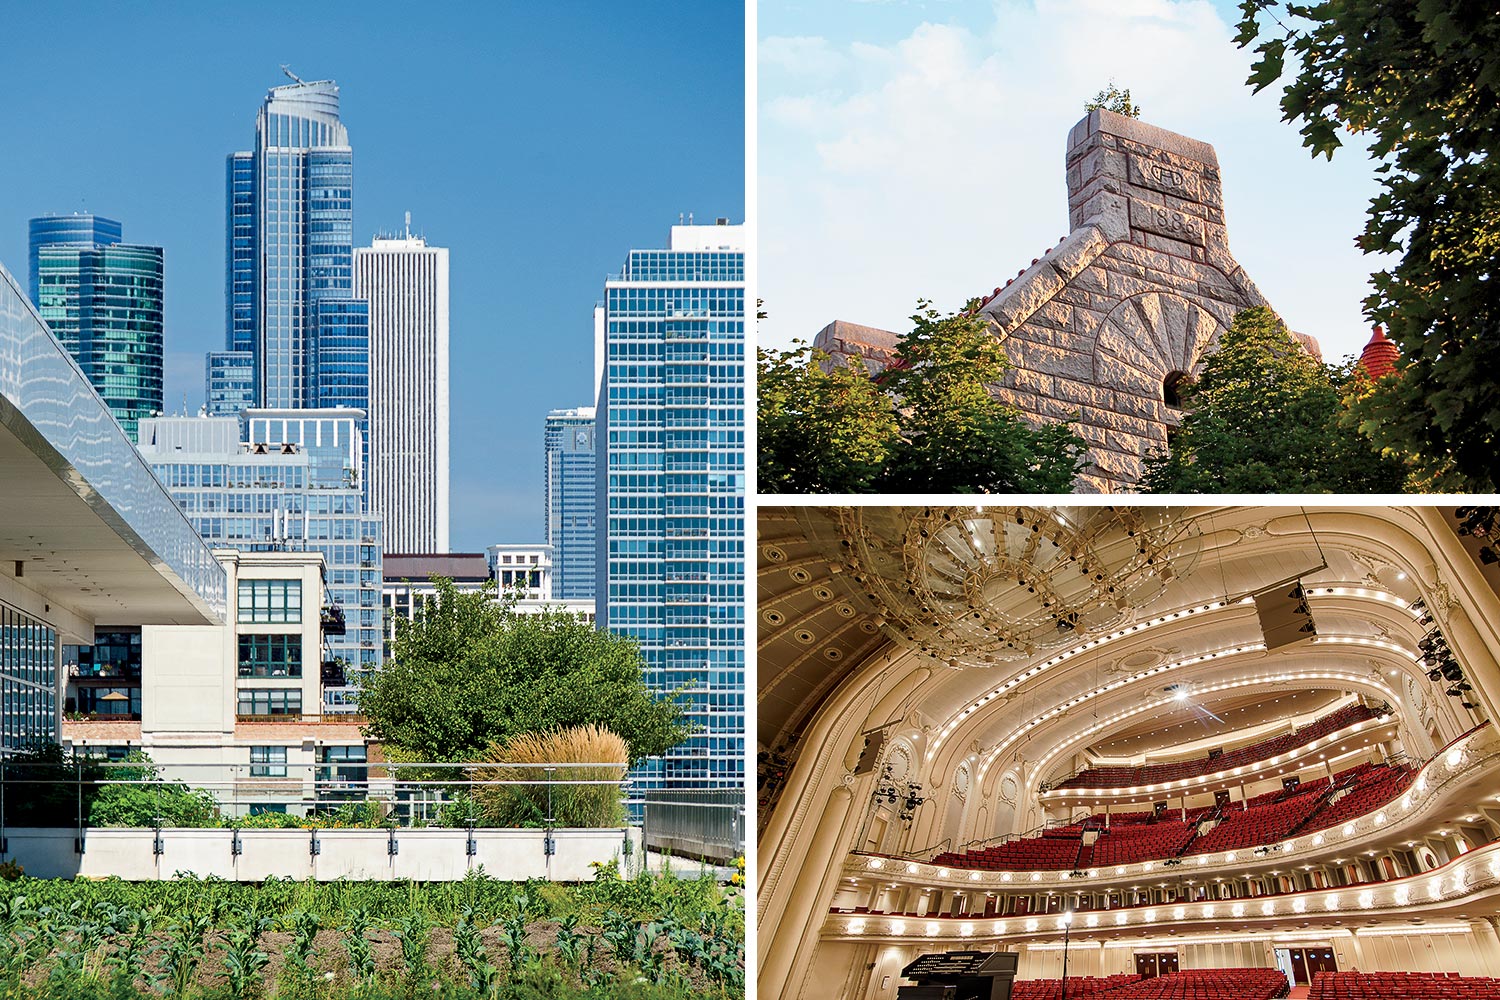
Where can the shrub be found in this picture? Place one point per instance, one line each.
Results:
(171, 803)
(591, 805)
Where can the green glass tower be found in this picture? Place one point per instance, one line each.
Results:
(104, 303)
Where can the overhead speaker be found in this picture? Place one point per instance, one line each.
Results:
(870, 755)
(1284, 615)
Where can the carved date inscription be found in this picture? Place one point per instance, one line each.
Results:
(1166, 221)
(1166, 177)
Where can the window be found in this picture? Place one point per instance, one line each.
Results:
(270, 701)
(270, 656)
(274, 601)
(268, 762)
(342, 770)
(1172, 387)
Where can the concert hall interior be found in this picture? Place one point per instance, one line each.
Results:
(1208, 752)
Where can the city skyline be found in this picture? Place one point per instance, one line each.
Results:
(528, 252)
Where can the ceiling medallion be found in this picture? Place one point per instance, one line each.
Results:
(973, 586)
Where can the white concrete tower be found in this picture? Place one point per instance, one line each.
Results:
(406, 283)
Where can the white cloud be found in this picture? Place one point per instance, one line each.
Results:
(933, 166)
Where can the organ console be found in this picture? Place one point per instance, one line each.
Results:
(960, 975)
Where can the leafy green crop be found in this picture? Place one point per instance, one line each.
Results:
(653, 938)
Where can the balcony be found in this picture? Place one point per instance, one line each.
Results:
(107, 672)
(332, 673)
(332, 620)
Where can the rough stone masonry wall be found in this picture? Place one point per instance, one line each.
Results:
(1138, 292)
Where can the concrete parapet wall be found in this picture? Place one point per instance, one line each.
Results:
(424, 855)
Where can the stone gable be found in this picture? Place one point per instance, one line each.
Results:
(1100, 327)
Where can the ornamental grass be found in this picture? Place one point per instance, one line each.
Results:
(582, 754)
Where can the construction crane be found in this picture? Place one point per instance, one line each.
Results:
(288, 71)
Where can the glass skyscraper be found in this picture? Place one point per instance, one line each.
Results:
(103, 301)
(670, 338)
(289, 241)
(231, 383)
(239, 253)
(284, 480)
(569, 498)
(79, 229)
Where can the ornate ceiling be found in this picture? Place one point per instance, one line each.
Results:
(1109, 695)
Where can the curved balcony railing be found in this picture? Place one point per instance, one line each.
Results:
(1263, 750)
(1452, 886)
(1452, 769)
(1209, 773)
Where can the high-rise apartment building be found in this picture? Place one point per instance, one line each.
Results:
(103, 300)
(670, 345)
(289, 232)
(570, 502)
(284, 480)
(405, 282)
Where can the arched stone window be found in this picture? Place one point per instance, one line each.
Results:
(1171, 388)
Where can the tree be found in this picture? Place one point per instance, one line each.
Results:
(1264, 417)
(821, 428)
(929, 423)
(956, 437)
(1422, 79)
(470, 672)
(1114, 99)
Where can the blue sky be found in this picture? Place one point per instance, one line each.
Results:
(538, 141)
(914, 148)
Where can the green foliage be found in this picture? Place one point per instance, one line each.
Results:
(299, 972)
(928, 424)
(182, 952)
(470, 672)
(822, 428)
(1265, 417)
(357, 944)
(678, 938)
(412, 931)
(513, 935)
(956, 437)
(1422, 81)
(243, 958)
(468, 947)
(160, 803)
(1114, 99)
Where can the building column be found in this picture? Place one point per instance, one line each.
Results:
(824, 855)
(1488, 944)
(1356, 951)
